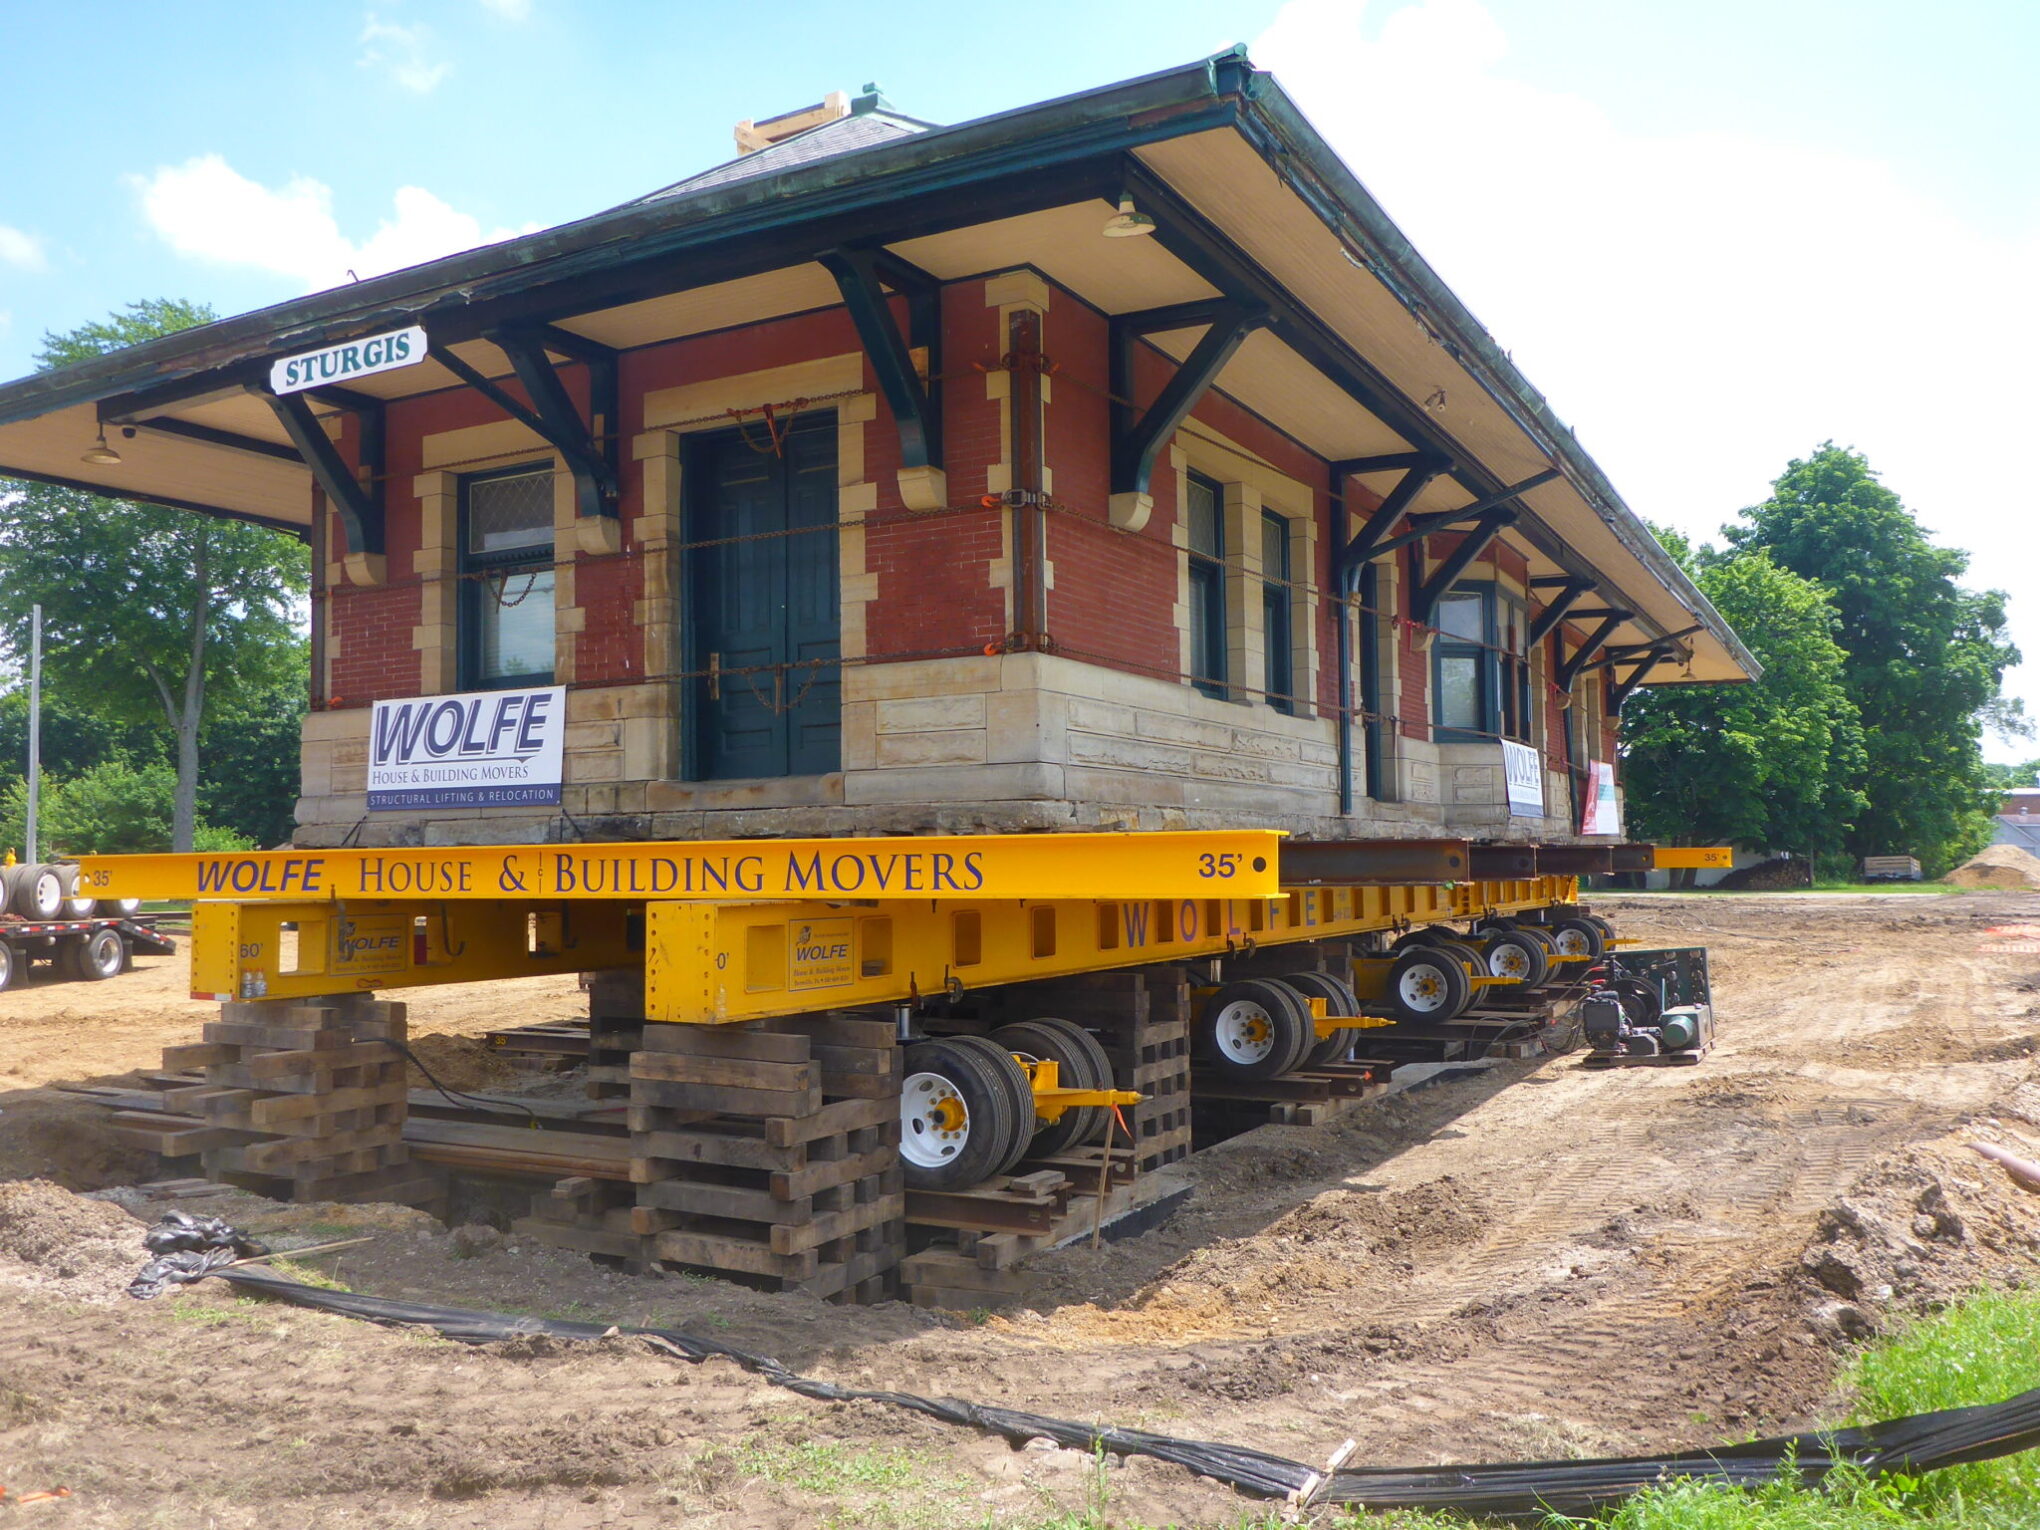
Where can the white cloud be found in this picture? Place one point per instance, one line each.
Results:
(1702, 306)
(509, 10)
(400, 51)
(206, 209)
(20, 250)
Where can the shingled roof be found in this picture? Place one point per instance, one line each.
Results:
(872, 121)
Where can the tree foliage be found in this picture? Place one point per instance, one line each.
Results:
(1881, 672)
(1925, 657)
(113, 808)
(1774, 764)
(149, 614)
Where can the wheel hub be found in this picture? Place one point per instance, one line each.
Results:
(1244, 1032)
(934, 1121)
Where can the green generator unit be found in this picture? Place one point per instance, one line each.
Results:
(1649, 1007)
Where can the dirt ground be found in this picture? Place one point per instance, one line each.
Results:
(1528, 1260)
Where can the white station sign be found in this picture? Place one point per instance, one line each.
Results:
(351, 358)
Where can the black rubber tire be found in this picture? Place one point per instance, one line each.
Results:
(10, 965)
(1515, 954)
(75, 907)
(1447, 989)
(1422, 935)
(1341, 1003)
(1604, 926)
(1585, 930)
(988, 1105)
(1083, 1065)
(122, 907)
(1291, 1034)
(38, 892)
(1557, 975)
(99, 956)
(1018, 1092)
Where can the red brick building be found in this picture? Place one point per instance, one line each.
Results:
(1110, 463)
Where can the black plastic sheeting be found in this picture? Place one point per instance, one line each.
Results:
(1922, 1443)
(188, 1248)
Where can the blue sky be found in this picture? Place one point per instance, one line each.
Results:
(1713, 235)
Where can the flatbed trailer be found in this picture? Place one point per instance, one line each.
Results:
(90, 949)
(818, 1046)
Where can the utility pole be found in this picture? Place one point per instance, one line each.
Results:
(34, 723)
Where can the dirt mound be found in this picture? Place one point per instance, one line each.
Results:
(50, 1238)
(1999, 866)
(1930, 1223)
(460, 1062)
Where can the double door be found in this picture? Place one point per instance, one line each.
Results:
(766, 625)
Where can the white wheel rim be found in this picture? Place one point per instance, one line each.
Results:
(1422, 988)
(1244, 1032)
(1506, 961)
(81, 908)
(934, 1121)
(107, 963)
(47, 894)
(1571, 944)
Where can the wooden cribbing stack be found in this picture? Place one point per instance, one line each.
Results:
(769, 1153)
(301, 1101)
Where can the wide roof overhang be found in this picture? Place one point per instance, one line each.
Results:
(1251, 203)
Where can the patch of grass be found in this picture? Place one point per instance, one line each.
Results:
(821, 1466)
(252, 1314)
(1983, 1350)
(1941, 888)
(305, 1275)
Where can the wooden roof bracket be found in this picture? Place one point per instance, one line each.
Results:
(1137, 439)
(359, 504)
(1569, 669)
(1554, 613)
(1620, 691)
(1424, 599)
(862, 274)
(588, 447)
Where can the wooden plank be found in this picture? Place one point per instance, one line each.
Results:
(979, 1213)
(827, 1226)
(768, 1103)
(830, 1120)
(277, 1038)
(491, 1160)
(295, 1107)
(729, 1201)
(839, 1030)
(582, 1240)
(710, 1252)
(882, 1061)
(198, 1055)
(734, 1041)
(733, 1072)
(860, 1086)
(790, 1183)
(173, 1137)
(727, 1148)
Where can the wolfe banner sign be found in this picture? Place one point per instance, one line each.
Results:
(480, 749)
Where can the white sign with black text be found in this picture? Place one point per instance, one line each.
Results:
(481, 749)
(335, 364)
(1525, 775)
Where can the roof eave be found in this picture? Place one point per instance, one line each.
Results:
(1350, 210)
(1147, 106)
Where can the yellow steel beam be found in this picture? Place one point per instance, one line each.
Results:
(1228, 863)
(710, 964)
(1695, 857)
(298, 950)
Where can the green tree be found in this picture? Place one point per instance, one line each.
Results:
(1775, 764)
(1925, 656)
(113, 808)
(251, 744)
(148, 612)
